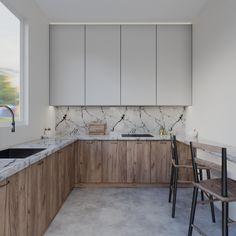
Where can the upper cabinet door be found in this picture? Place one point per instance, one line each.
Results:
(174, 59)
(138, 65)
(103, 65)
(67, 65)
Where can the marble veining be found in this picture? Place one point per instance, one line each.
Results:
(9, 167)
(75, 120)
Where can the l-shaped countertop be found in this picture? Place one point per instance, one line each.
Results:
(9, 167)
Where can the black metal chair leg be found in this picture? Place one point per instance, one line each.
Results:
(193, 210)
(171, 182)
(174, 191)
(225, 217)
(211, 199)
(201, 178)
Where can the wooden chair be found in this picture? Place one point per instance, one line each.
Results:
(222, 189)
(174, 181)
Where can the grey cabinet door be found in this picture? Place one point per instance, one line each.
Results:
(67, 65)
(138, 65)
(103, 65)
(174, 62)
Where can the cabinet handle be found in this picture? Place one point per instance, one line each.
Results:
(153, 164)
(114, 142)
(4, 185)
(91, 142)
(139, 142)
(40, 163)
(163, 142)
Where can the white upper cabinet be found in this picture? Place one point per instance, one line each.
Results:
(112, 65)
(138, 65)
(66, 65)
(103, 65)
(174, 59)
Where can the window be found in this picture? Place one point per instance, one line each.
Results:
(11, 79)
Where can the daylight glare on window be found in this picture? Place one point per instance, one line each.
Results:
(9, 63)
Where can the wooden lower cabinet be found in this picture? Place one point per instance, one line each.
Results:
(114, 161)
(52, 186)
(160, 162)
(90, 161)
(30, 199)
(13, 205)
(16, 204)
(37, 220)
(138, 162)
(66, 172)
(3, 200)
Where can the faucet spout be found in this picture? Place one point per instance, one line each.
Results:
(13, 123)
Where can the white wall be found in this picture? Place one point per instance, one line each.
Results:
(214, 73)
(213, 112)
(40, 114)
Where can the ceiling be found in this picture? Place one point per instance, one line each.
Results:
(120, 11)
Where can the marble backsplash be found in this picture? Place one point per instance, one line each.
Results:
(75, 120)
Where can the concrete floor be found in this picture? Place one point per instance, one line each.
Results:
(130, 212)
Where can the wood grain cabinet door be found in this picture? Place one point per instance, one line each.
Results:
(17, 204)
(62, 176)
(3, 201)
(52, 187)
(71, 153)
(37, 199)
(90, 156)
(114, 162)
(138, 162)
(160, 161)
(77, 162)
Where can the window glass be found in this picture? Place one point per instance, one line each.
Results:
(10, 76)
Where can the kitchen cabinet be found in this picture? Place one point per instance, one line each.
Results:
(160, 161)
(114, 161)
(37, 222)
(67, 62)
(52, 187)
(174, 64)
(138, 161)
(16, 204)
(138, 65)
(90, 160)
(120, 65)
(102, 65)
(30, 199)
(77, 163)
(71, 153)
(3, 200)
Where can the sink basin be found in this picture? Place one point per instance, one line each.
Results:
(18, 153)
(136, 135)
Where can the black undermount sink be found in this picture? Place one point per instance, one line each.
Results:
(137, 135)
(18, 153)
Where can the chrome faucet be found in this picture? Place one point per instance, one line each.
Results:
(13, 129)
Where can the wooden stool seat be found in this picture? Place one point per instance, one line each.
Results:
(214, 186)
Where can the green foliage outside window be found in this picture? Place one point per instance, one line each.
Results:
(8, 94)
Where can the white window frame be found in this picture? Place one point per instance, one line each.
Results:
(24, 106)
